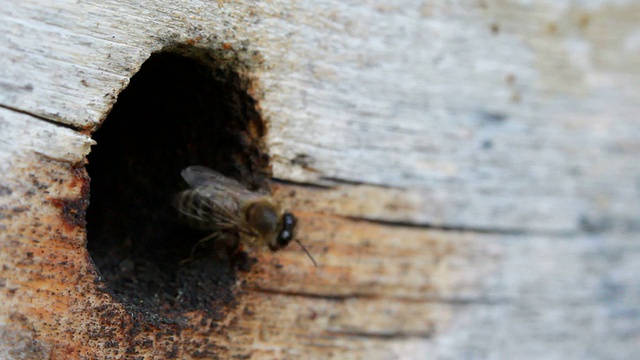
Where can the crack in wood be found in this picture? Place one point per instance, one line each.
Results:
(358, 183)
(457, 228)
(392, 207)
(49, 120)
(351, 296)
(302, 184)
(395, 335)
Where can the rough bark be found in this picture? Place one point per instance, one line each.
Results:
(466, 175)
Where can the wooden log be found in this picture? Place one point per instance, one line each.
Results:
(466, 176)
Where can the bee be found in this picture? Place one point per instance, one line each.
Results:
(228, 209)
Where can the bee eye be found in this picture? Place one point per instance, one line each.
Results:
(288, 226)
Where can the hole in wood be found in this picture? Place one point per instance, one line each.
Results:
(182, 108)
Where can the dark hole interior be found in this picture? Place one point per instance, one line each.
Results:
(177, 111)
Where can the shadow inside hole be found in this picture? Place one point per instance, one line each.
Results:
(177, 111)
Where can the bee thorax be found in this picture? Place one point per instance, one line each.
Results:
(263, 218)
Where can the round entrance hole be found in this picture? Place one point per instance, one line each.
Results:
(177, 111)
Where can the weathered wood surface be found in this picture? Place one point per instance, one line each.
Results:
(481, 160)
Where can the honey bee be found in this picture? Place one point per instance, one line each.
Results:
(228, 209)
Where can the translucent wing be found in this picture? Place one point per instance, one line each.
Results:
(197, 176)
(208, 209)
(215, 201)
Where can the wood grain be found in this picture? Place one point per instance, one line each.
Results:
(466, 174)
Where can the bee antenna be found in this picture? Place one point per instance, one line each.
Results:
(307, 252)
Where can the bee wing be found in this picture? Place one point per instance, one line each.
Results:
(197, 176)
(215, 201)
(209, 207)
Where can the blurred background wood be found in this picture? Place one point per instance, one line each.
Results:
(466, 174)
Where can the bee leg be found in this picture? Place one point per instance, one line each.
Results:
(212, 236)
(234, 252)
(238, 257)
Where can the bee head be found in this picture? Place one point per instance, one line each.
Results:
(285, 232)
(277, 231)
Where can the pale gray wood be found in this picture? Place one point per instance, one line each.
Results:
(516, 121)
(23, 134)
(431, 83)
